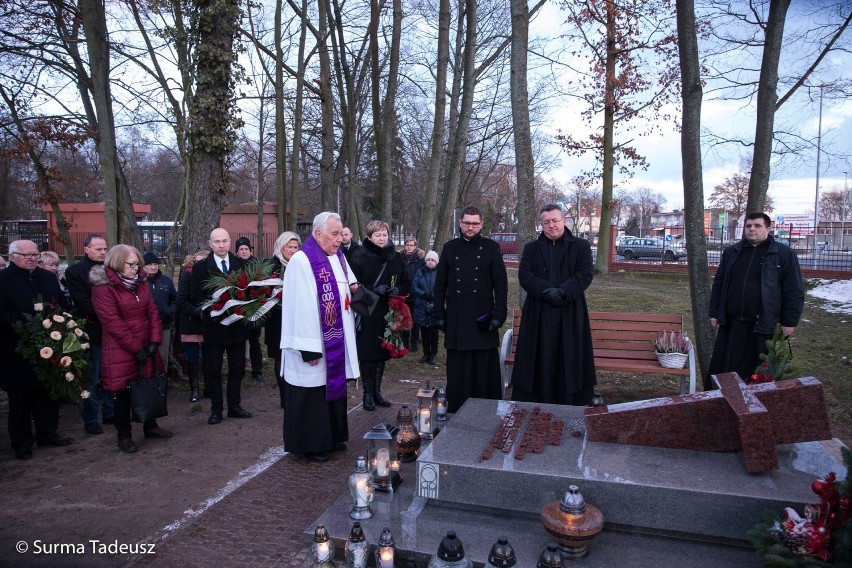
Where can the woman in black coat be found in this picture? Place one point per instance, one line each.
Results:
(379, 267)
(189, 322)
(286, 245)
(423, 291)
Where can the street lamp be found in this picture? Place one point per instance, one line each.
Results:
(819, 142)
(843, 211)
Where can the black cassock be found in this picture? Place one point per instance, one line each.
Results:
(554, 362)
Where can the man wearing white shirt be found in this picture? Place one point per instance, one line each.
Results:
(318, 342)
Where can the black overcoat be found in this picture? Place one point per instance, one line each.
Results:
(19, 290)
(80, 288)
(214, 332)
(272, 325)
(366, 263)
(574, 272)
(188, 313)
(471, 282)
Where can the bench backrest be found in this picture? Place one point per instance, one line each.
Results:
(619, 335)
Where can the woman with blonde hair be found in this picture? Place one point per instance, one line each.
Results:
(286, 245)
(189, 316)
(132, 334)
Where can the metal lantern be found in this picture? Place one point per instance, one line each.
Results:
(502, 554)
(573, 522)
(550, 557)
(361, 490)
(408, 438)
(426, 419)
(385, 550)
(450, 554)
(441, 404)
(321, 549)
(382, 457)
(356, 548)
(597, 400)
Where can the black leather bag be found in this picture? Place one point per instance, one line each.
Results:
(149, 397)
(363, 301)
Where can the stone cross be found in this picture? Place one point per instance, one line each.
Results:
(751, 418)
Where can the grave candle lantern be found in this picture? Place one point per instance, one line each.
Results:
(426, 409)
(321, 549)
(502, 554)
(382, 456)
(356, 548)
(441, 404)
(450, 554)
(573, 523)
(408, 438)
(361, 490)
(385, 550)
(550, 557)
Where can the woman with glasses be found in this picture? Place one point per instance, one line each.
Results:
(379, 267)
(132, 334)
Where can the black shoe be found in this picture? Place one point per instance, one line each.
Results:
(258, 377)
(215, 418)
(93, 428)
(238, 413)
(126, 445)
(108, 420)
(318, 457)
(55, 440)
(157, 433)
(423, 359)
(368, 402)
(340, 446)
(194, 396)
(24, 453)
(432, 360)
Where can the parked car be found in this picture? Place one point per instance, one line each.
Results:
(649, 248)
(508, 242)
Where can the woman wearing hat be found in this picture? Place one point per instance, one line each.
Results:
(423, 289)
(165, 297)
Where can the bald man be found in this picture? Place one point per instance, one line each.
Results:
(220, 339)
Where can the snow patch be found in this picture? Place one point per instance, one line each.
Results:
(836, 293)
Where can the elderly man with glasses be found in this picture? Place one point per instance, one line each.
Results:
(23, 284)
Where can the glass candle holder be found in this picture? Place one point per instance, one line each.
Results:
(408, 438)
(426, 421)
(321, 548)
(441, 404)
(361, 490)
(356, 548)
(383, 461)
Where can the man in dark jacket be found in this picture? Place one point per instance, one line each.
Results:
(757, 286)
(80, 287)
(165, 298)
(218, 338)
(555, 362)
(348, 245)
(471, 290)
(21, 285)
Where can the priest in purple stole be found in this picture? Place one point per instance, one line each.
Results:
(318, 342)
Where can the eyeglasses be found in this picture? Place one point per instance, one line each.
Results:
(27, 254)
(133, 264)
(552, 222)
(471, 223)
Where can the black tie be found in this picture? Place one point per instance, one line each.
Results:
(224, 267)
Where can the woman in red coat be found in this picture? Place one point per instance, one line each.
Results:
(131, 334)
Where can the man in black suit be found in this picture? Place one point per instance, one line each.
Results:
(347, 245)
(219, 338)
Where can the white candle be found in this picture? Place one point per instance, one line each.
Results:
(386, 558)
(441, 409)
(425, 420)
(322, 552)
(361, 493)
(382, 462)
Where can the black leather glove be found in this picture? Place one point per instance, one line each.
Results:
(152, 348)
(141, 355)
(554, 296)
(381, 290)
(440, 324)
(393, 291)
(308, 356)
(494, 325)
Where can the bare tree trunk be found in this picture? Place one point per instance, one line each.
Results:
(524, 164)
(327, 196)
(120, 219)
(602, 259)
(293, 208)
(383, 128)
(261, 143)
(436, 156)
(280, 134)
(767, 97)
(458, 142)
(693, 188)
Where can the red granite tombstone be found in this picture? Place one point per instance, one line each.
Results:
(751, 418)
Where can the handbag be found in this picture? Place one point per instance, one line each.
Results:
(149, 397)
(364, 300)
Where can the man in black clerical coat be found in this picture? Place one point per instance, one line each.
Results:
(554, 361)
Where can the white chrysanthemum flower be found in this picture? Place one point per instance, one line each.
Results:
(78, 332)
(72, 324)
(38, 307)
(69, 377)
(65, 361)
(55, 335)
(59, 319)
(46, 324)
(46, 352)
(84, 394)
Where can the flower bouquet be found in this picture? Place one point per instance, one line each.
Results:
(821, 537)
(672, 349)
(777, 362)
(55, 343)
(398, 319)
(245, 295)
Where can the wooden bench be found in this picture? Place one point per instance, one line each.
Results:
(622, 342)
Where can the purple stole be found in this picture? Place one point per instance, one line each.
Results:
(331, 318)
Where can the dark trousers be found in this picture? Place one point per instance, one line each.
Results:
(429, 337)
(214, 356)
(26, 407)
(123, 414)
(255, 352)
(410, 337)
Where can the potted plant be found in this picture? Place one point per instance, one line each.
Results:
(672, 349)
